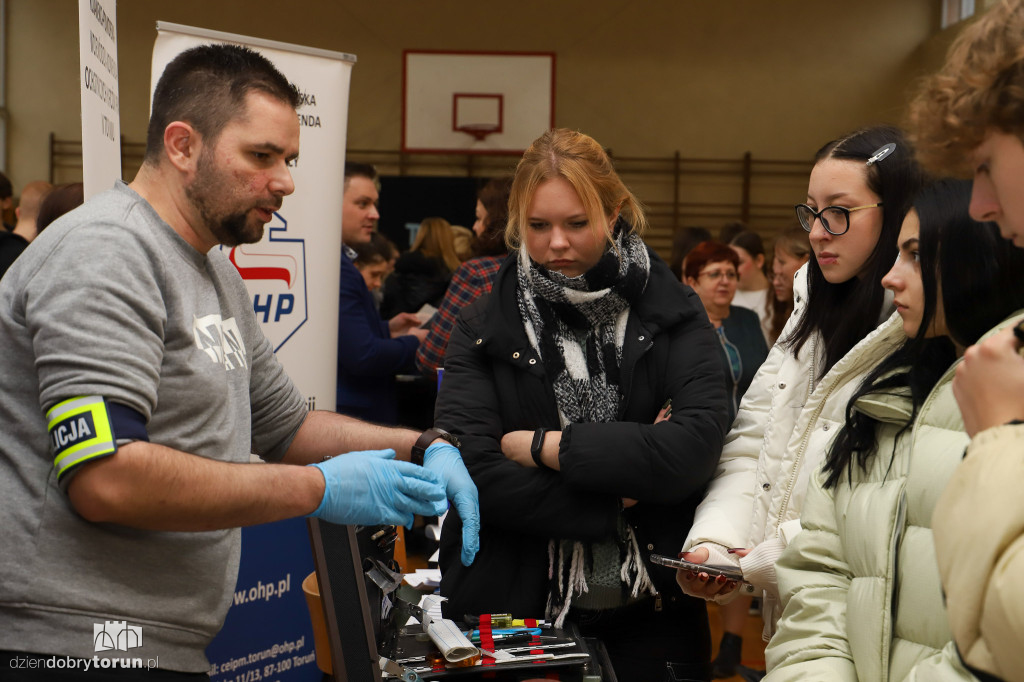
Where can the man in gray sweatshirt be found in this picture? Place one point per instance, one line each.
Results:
(136, 381)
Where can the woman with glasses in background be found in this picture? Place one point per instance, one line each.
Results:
(859, 191)
(711, 270)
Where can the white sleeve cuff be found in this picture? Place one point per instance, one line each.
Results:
(716, 557)
(759, 566)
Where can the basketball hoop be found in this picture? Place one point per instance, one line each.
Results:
(477, 114)
(480, 131)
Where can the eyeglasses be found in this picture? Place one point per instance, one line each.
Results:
(835, 219)
(716, 275)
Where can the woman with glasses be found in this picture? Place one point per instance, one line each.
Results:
(554, 384)
(858, 193)
(861, 587)
(711, 271)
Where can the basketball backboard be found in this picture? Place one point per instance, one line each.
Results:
(476, 102)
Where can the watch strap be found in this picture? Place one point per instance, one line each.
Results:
(419, 449)
(537, 447)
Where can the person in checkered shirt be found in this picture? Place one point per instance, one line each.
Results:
(473, 278)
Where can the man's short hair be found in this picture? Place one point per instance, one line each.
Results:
(206, 87)
(354, 169)
(979, 89)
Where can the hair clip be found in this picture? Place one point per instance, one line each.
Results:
(882, 152)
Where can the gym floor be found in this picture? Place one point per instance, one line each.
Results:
(753, 645)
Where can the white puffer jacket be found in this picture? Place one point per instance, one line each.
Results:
(785, 423)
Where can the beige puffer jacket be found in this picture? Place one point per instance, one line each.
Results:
(860, 583)
(979, 542)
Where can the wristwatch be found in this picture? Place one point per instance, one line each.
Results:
(428, 437)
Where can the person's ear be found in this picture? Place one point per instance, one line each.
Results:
(181, 145)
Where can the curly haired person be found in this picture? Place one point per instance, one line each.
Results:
(968, 119)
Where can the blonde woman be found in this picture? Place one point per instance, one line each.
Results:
(422, 274)
(553, 384)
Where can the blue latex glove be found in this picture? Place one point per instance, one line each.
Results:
(372, 487)
(444, 460)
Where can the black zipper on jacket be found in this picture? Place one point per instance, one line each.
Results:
(627, 372)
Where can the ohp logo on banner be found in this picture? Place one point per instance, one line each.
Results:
(274, 270)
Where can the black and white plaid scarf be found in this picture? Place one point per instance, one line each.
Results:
(578, 324)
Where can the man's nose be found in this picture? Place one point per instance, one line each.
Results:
(282, 183)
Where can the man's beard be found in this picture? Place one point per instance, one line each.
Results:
(209, 186)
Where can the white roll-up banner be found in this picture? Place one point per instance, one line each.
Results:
(292, 276)
(101, 108)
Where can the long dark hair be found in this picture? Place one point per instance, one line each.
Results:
(830, 307)
(752, 243)
(494, 198)
(977, 274)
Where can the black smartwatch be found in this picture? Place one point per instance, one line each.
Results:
(428, 437)
(537, 446)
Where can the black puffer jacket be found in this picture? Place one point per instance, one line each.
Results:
(495, 383)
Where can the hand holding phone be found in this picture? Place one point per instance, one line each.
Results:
(729, 572)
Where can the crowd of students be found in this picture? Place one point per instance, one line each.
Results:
(588, 394)
(595, 410)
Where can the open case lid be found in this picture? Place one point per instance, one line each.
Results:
(353, 622)
(352, 567)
